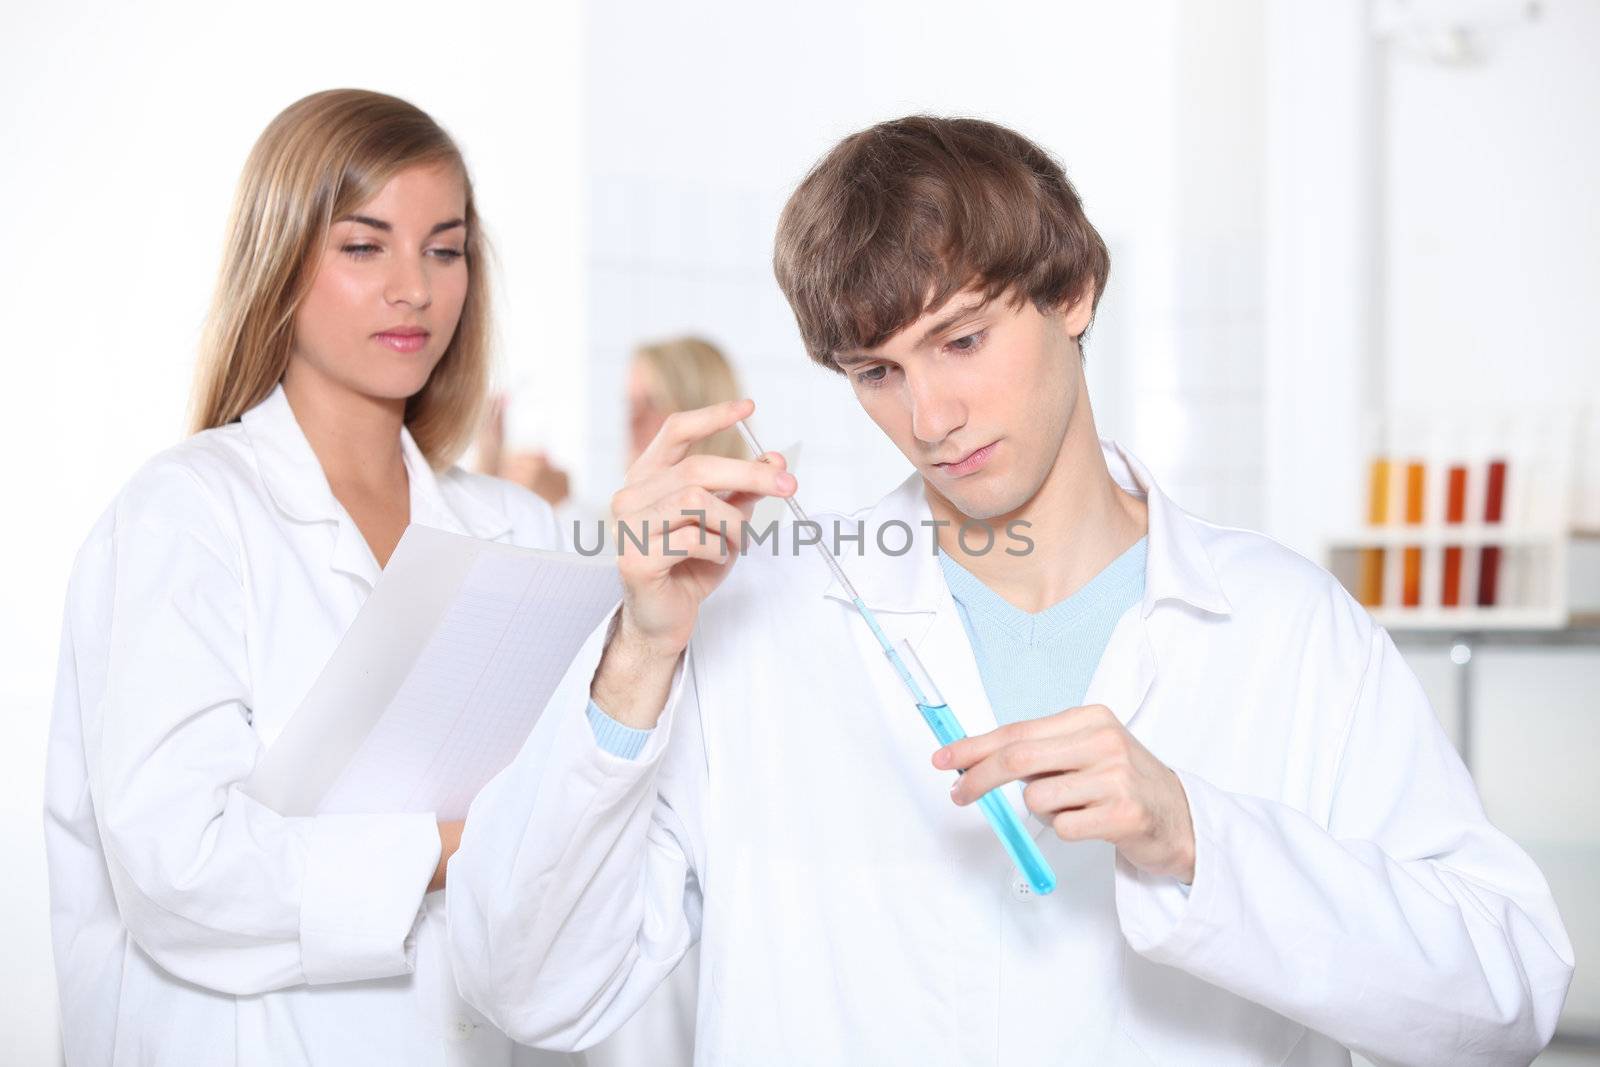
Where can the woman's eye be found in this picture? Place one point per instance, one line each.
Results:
(359, 250)
(449, 255)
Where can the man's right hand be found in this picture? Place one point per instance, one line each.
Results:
(688, 513)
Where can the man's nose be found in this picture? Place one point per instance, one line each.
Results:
(936, 410)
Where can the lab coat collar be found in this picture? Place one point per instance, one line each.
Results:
(289, 468)
(1177, 567)
(458, 511)
(295, 480)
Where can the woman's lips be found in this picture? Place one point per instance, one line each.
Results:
(970, 462)
(402, 340)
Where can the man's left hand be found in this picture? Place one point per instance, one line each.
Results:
(1090, 779)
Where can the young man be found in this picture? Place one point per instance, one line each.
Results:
(1267, 850)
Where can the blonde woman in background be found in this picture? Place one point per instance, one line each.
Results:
(342, 370)
(678, 374)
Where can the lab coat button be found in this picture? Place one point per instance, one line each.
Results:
(462, 1028)
(1021, 889)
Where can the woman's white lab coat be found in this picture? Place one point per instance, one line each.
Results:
(1348, 890)
(191, 924)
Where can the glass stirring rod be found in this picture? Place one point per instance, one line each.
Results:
(936, 713)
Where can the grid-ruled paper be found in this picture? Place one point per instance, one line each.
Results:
(472, 695)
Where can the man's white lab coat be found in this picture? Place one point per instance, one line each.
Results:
(1348, 890)
(191, 924)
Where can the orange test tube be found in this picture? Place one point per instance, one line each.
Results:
(1455, 512)
(1371, 581)
(1411, 565)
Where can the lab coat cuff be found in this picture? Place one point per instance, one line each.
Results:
(1160, 916)
(364, 882)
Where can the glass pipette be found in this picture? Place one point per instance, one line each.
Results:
(935, 712)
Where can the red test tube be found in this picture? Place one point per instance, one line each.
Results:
(1493, 508)
(1455, 512)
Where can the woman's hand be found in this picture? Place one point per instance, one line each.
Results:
(449, 841)
(534, 471)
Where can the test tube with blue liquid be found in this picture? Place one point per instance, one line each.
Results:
(1002, 817)
(1019, 845)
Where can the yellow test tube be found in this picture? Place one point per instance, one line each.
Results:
(1371, 581)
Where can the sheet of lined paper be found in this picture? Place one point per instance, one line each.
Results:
(473, 694)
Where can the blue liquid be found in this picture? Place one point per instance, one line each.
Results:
(1002, 817)
(1019, 846)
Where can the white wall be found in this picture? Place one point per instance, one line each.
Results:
(1491, 263)
(1433, 245)
(702, 120)
(1321, 255)
(1492, 217)
(125, 127)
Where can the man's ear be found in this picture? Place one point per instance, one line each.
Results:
(1076, 313)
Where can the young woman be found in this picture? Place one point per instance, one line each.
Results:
(342, 371)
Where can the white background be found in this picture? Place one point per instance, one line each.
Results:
(1308, 223)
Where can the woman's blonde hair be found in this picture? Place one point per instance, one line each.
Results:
(694, 374)
(320, 159)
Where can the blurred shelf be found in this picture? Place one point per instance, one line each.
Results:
(1474, 620)
(1534, 585)
(1432, 534)
(1489, 626)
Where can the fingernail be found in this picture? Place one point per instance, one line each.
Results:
(954, 795)
(786, 482)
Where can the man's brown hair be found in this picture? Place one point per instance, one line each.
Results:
(902, 216)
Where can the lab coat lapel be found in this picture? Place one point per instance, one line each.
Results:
(351, 553)
(298, 486)
(1127, 668)
(443, 505)
(428, 506)
(1178, 577)
(295, 481)
(895, 586)
(908, 594)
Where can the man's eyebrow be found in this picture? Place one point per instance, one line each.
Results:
(379, 224)
(950, 320)
(850, 359)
